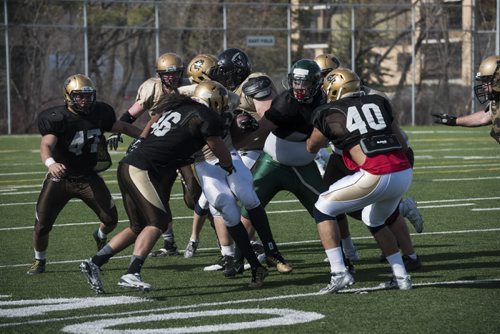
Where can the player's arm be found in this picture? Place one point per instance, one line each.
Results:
(479, 118)
(316, 141)
(126, 128)
(130, 116)
(220, 150)
(47, 145)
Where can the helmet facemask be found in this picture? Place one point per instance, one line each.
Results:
(171, 80)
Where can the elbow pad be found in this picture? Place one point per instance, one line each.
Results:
(126, 117)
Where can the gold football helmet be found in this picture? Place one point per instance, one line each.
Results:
(488, 74)
(79, 94)
(327, 63)
(170, 69)
(339, 82)
(213, 95)
(201, 67)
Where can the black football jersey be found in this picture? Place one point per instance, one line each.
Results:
(292, 116)
(175, 137)
(346, 121)
(77, 135)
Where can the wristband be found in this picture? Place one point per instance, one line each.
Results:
(49, 162)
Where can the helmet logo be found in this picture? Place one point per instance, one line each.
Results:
(238, 59)
(198, 64)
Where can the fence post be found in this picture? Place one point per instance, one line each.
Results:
(7, 67)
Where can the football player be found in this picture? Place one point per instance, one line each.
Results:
(327, 63)
(255, 92)
(362, 127)
(336, 169)
(74, 150)
(187, 125)
(487, 91)
(285, 163)
(231, 74)
(169, 70)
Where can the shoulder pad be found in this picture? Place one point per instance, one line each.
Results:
(51, 121)
(258, 88)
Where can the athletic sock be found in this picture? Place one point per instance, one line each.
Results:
(396, 262)
(240, 237)
(260, 222)
(336, 260)
(136, 263)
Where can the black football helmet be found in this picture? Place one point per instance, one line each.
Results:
(79, 94)
(233, 67)
(304, 80)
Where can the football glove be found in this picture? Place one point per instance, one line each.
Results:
(134, 145)
(246, 122)
(445, 119)
(113, 141)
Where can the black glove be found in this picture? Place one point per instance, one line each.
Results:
(229, 169)
(134, 145)
(113, 140)
(445, 119)
(246, 122)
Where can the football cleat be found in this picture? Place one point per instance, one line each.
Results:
(169, 249)
(277, 261)
(408, 208)
(99, 242)
(410, 264)
(92, 273)
(219, 265)
(258, 276)
(134, 281)
(396, 282)
(232, 266)
(338, 281)
(37, 267)
(191, 248)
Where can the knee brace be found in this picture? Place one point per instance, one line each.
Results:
(375, 229)
(320, 216)
(201, 211)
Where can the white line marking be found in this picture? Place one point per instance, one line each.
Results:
(468, 179)
(282, 317)
(486, 209)
(252, 300)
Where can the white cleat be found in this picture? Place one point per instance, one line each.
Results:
(401, 283)
(134, 281)
(338, 281)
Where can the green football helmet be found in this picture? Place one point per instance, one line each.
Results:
(304, 80)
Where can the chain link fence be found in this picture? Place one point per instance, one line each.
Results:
(422, 54)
